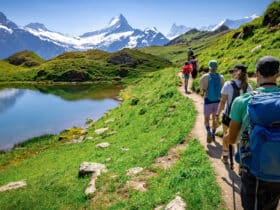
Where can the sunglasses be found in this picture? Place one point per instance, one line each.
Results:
(232, 70)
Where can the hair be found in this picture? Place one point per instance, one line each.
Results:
(244, 81)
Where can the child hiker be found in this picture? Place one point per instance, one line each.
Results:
(186, 70)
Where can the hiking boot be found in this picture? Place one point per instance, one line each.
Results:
(213, 138)
(209, 138)
(224, 157)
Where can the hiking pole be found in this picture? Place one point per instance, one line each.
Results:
(232, 174)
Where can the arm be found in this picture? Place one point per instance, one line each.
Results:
(234, 128)
(221, 104)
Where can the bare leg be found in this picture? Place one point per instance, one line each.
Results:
(225, 138)
(206, 120)
(186, 85)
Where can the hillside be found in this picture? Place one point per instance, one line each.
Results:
(91, 65)
(243, 45)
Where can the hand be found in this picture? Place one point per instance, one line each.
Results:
(217, 116)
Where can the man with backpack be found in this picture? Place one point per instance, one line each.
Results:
(211, 84)
(256, 116)
(194, 63)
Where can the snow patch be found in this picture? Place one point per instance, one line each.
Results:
(6, 29)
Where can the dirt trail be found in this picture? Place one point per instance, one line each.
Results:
(223, 171)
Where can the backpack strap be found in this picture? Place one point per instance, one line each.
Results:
(236, 92)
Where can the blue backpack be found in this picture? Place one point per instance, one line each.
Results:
(214, 87)
(260, 143)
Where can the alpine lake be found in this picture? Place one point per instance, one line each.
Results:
(28, 111)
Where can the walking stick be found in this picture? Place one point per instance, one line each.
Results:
(232, 174)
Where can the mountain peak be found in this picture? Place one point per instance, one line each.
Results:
(37, 26)
(5, 22)
(118, 20)
(177, 30)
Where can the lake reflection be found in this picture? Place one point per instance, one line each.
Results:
(26, 113)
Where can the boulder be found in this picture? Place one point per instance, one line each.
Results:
(91, 168)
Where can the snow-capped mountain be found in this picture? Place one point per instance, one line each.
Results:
(232, 24)
(14, 39)
(177, 30)
(37, 37)
(40, 30)
(116, 35)
(119, 34)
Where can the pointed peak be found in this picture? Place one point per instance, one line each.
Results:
(37, 26)
(118, 20)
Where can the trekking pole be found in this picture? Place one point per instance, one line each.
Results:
(232, 174)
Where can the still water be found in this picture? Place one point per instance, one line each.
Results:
(29, 112)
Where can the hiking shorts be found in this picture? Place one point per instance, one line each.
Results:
(268, 192)
(186, 76)
(210, 108)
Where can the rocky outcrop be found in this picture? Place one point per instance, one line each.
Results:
(93, 169)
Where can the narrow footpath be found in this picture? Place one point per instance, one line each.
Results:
(226, 178)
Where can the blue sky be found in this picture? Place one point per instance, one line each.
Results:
(75, 17)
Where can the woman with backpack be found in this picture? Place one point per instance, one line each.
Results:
(229, 92)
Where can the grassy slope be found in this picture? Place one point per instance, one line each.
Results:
(95, 64)
(227, 50)
(145, 126)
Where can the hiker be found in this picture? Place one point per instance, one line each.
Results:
(256, 116)
(194, 63)
(211, 84)
(229, 92)
(186, 70)
(190, 53)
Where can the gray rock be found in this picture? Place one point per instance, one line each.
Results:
(12, 185)
(91, 168)
(176, 204)
(101, 130)
(103, 145)
(134, 171)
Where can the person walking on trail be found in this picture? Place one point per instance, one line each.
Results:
(186, 70)
(194, 63)
(211, 84)
(190, 53)
(229, 92)
(256, 116)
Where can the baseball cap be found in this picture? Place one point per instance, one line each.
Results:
(213, 65)
(242, 67)
(268, 66)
